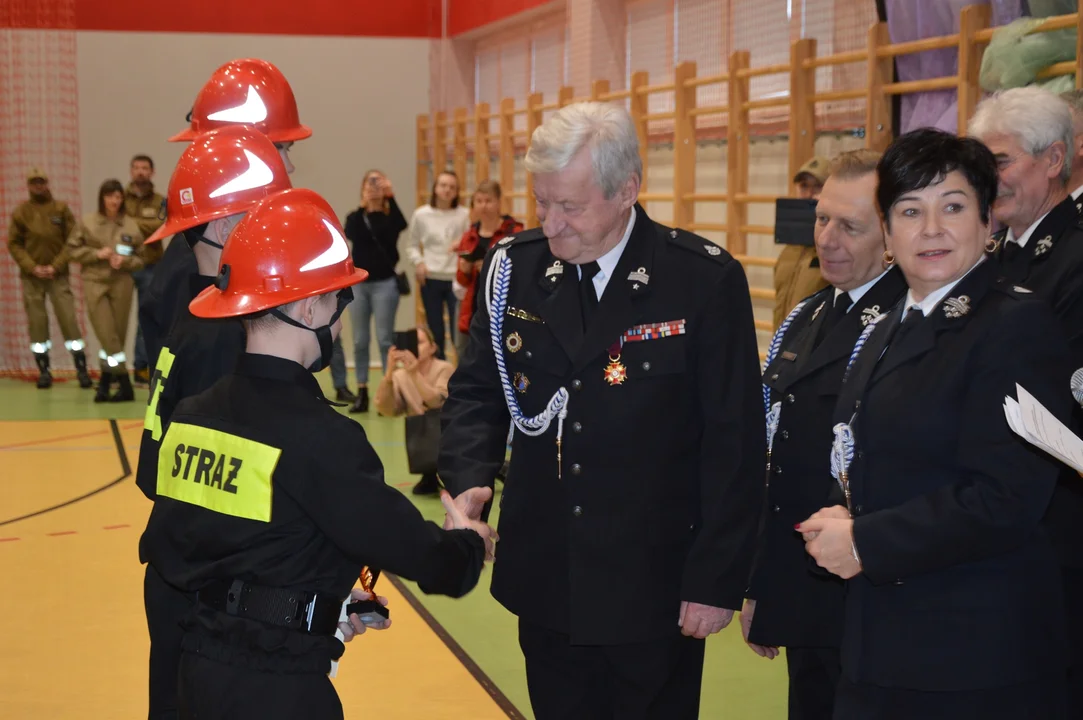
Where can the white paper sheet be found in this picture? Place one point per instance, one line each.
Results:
(1029, 419)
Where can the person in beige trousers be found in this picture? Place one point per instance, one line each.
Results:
(109, 247)
(36, 240)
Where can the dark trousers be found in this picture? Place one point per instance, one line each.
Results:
(639, 681)
(814, 680)
(435, 296)
(143, 278)
(1040, 700)
(1073, 609)
(210, 690)
(165, 607)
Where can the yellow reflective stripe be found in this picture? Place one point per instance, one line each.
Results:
(152, 421)
(217, 471)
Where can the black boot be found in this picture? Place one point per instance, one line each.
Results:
(429, 484)
(103, 385)
(124, 393)
(361, 404)
(45, 378)
(80, 369)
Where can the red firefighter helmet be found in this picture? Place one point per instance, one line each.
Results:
(249, 92)
(288, 247)
(224, 172)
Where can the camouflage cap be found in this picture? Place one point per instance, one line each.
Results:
(817, 167)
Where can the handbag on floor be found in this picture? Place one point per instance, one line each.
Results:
(423, 442)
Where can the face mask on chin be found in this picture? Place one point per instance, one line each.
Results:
(323, 333)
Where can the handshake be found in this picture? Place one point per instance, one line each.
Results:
(464, 513)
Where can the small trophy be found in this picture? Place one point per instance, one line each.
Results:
(371, 612)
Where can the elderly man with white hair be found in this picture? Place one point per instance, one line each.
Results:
(625, 355)
(1074, 98)
(1030, 131)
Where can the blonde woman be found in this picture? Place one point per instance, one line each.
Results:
(435, 230)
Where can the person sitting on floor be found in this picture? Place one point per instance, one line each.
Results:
(417, 384)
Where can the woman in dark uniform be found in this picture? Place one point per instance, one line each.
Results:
(953, 603)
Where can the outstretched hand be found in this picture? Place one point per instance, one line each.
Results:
(456, 519)
(472, 502)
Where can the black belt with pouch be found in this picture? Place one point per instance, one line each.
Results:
(301, 610)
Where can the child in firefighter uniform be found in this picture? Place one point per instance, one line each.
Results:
(269, 502)
(210, 190)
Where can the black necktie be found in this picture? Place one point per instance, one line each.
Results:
(1013, 260)
(588, 296)
(836, 313)
(914, 315)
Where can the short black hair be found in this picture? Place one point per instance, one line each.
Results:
(925, 157)
(108, 188)
(458, 187)
(144, 158)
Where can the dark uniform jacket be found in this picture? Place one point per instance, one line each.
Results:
(795, 607)
(197, 353)
(261, 480)
(1051, 265)
(960, 586)
(167, 296)
(656, 498)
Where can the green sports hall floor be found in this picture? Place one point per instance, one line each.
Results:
(736, 683)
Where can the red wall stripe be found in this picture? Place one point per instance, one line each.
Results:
(397, 18)
(465, 15)
(400, 18)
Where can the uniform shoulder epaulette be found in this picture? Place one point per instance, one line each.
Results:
(522, 237)
(1011, 289)
(699, 246)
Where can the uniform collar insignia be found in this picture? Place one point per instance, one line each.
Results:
(1043, 246)
(816, 312)
(869, 314)
(555, 271)
(639, 276)
(957, 307)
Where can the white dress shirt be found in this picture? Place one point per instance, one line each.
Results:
(933, 299)
(607, 263)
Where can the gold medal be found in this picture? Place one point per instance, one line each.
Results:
(615, 372)
(514, 342)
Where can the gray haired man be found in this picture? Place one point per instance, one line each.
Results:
(1031, 133)
(625, 354)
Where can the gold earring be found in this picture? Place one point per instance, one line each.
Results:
(889, 257)
(992, 245)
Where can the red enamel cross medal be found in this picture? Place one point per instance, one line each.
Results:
(615, 372)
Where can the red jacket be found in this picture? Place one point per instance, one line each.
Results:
(467, 274)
